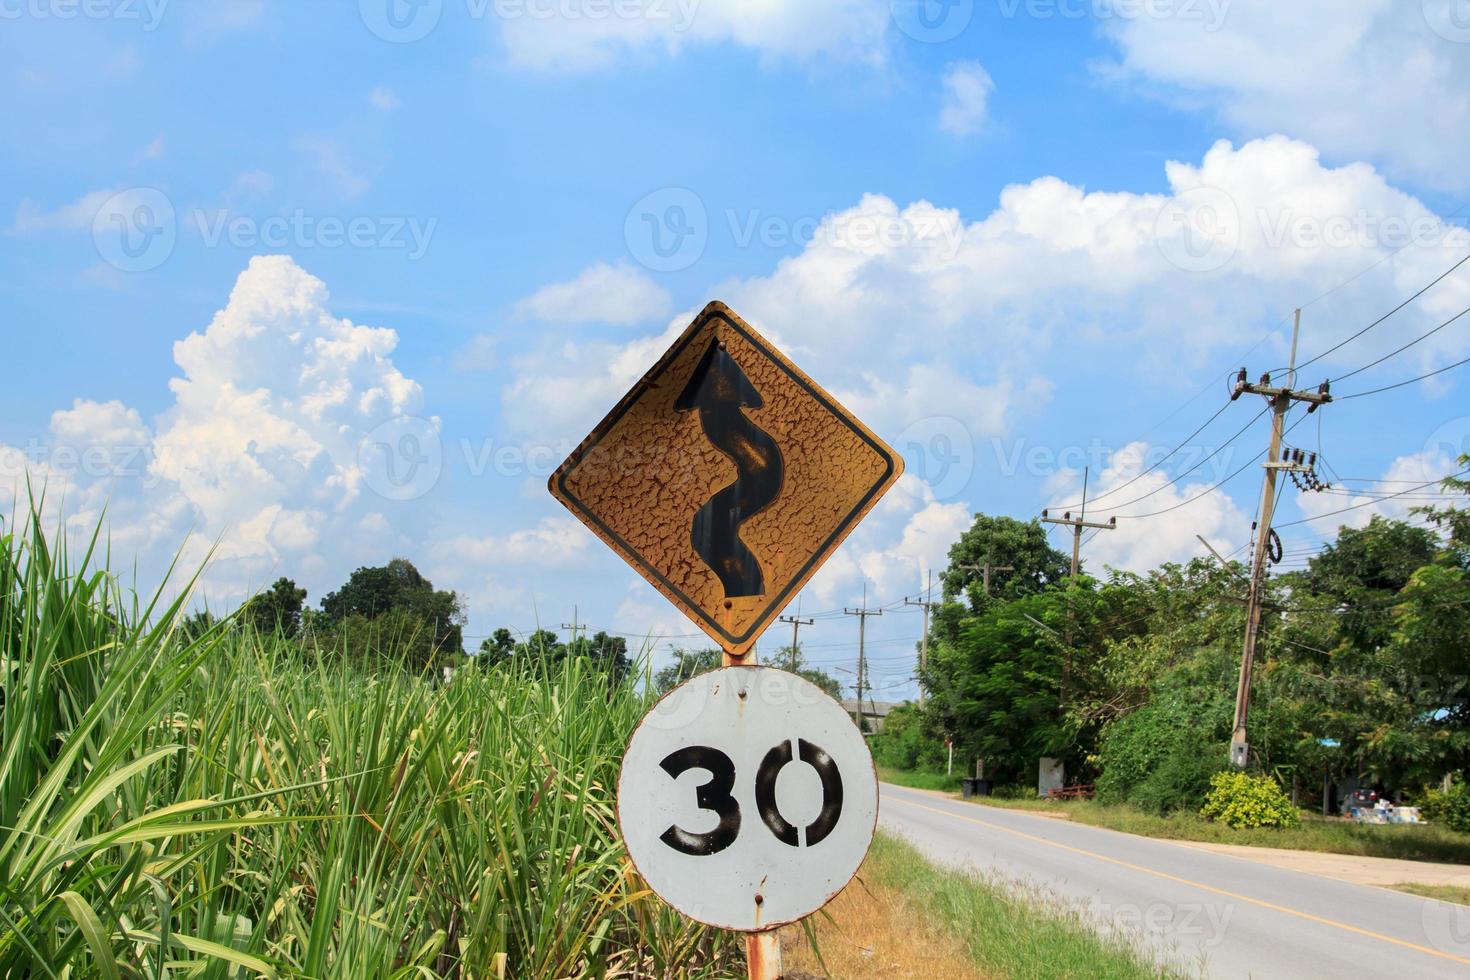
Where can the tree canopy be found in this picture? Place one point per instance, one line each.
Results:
(691, 663)
(1364, 658)
(277, 609)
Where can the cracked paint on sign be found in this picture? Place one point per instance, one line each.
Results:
(650, 469)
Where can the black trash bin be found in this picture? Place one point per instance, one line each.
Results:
(968, 786)
(982, 787)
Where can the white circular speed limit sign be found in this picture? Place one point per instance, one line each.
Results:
(747, 798)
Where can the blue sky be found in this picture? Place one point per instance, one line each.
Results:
(244, 240)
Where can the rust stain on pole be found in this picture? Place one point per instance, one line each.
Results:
(763, 956)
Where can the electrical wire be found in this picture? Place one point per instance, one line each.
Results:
(1141, 474)
(1401, 384)
(1338, 346)
(1369, 503)
(1424, 336)
(1212, 489)
(1218, 450)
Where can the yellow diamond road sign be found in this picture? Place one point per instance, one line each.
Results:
(726, 477)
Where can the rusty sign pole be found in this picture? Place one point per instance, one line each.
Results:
(653, 480)
(762, 949)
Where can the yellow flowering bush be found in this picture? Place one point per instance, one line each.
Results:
(1240, 800)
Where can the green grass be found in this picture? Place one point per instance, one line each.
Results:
(221, 806)
(1456, 894)
(1007, 931)
(920, 780)
(1409, 842)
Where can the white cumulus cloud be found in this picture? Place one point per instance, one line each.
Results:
(614, 294)
(1376, 80)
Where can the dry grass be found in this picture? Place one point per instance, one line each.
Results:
(906, 917)
(875, 932)
(1444, 893)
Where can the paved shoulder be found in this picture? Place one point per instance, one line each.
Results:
(1238, 917)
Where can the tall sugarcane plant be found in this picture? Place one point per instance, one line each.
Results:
(227, 803)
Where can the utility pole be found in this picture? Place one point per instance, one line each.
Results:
(796, 624)
(862, 670)
(1280, 399)
(928, 603)
(985, 571)
(1077, 524)
(574, 626)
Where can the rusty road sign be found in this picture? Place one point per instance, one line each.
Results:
(747, 798)
(726, 477)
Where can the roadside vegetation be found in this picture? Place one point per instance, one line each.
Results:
(1455, 894)
(1407, 842)
(214, 800)
(1363, 680)
(230, 797)
(905, 917)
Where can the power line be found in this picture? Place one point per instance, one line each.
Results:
(1369, 503)
(1169, 455)
(1385, 316)
(1401, 384)
(1206, 493)
(1218, 450)
(1424, 336)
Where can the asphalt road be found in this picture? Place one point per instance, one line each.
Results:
(1208, 914)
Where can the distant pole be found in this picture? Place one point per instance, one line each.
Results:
(1076, 524)
(574, 626)
(796, 624)
(927, 602)
(862, 615)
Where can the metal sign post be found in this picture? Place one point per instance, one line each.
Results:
(747, 797)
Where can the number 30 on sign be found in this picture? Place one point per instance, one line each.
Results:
(747, 798)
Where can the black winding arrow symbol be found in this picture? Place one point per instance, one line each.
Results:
(719, 390)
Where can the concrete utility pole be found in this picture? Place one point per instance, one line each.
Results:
(1280, 400)
(1077, 524)
(862, 615)
(985, 571)
(574, 626)
(796, 624)
(928, 603)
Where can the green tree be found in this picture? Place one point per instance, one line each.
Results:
(608, 653)
(691, 663)
(398, 587)
(1363, 571)
(686, 664)
(997, 686)
(1000, 541)
(276, 610)
(196, 624)
(394, 638)
(497, 648)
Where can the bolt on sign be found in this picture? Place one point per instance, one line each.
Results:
(726, 477)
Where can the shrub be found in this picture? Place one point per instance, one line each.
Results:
(1450, 807)
(1241, 801)
(1159, 758)
(903, 745)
